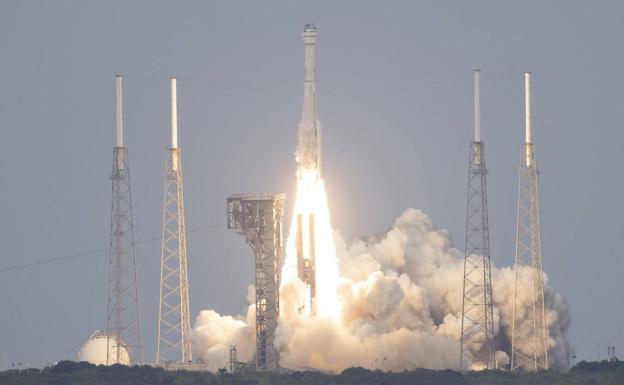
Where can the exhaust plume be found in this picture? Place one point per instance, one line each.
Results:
(400, 299)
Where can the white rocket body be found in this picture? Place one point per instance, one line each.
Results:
(308, 153)
(308, 157)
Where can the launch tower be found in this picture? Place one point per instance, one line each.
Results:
(258, 218)
(124, 323)
(477, 339)
(529, 336)
(174, 343)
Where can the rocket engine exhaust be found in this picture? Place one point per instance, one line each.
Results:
(306, 264)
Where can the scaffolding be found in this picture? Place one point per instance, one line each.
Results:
(174, 342)
(477, 338)
(258, 218)
(124, 323)
(529, 334)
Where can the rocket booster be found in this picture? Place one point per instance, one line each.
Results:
(308, 157)
(308, 153)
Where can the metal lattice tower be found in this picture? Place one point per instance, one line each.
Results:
(529, 335)
(124, 322)
(258, 218)
(477, 339)
(174, 343)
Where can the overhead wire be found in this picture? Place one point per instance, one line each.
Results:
(96, 251)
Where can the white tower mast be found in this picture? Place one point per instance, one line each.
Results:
(477, 104)
(124, 322)
(174, 343)
(529, 335)
(119, 110)
(527, 118)
(477, 338)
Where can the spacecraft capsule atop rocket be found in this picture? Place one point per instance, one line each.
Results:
(308, 152)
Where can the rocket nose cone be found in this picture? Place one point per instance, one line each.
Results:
(310, 32)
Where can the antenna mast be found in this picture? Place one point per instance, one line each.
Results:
(477, 339)
(174, 343)
(124, 322)
(529, 350)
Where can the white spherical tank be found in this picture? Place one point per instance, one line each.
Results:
(94, 350)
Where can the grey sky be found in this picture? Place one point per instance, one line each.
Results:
(395, 103)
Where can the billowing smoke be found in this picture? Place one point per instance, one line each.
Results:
(401, 309)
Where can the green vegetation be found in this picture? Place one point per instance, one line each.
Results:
(585, 373)
(79, 373)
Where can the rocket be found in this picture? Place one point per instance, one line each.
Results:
(308, 157)
(308, 153)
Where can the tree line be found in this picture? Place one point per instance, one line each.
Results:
(75, 373)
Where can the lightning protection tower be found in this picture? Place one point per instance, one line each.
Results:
(258, 218)
(529, 337)
(124, 323)
(174, 344)
(477, 338)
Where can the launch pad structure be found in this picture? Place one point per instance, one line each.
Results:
(477, 309)
(124, 322)
(174, 341)
(529, 350)
(258, 218)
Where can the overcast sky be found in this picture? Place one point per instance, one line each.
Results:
(395, 102)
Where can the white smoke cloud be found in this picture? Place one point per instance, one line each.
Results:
(213, 334)
(401, 309)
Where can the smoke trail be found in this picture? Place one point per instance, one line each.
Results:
(400, 297)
